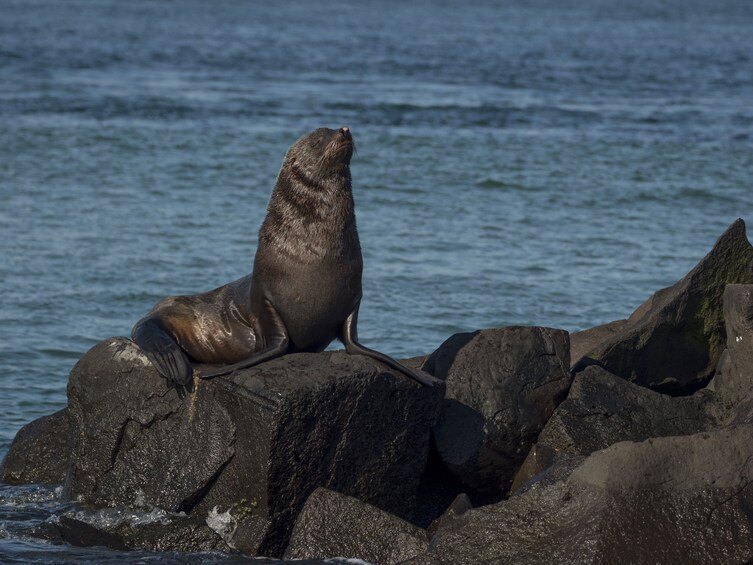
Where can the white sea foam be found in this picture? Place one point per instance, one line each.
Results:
(223, 523)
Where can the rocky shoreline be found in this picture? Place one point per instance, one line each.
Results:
(631, 441)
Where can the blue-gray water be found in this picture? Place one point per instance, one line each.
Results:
(545, 162)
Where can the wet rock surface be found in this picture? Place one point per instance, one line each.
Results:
(332, 524)
(602, 409)
(39, 453)
(502, 387)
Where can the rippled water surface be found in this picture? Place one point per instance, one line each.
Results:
(546, 162)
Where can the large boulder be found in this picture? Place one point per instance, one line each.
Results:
(334, 525)
(602, 409)
(39, 452)
(673, 500)
(251, 446)
(502, 387)
(674, 340)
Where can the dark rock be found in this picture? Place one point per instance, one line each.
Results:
(133, 440)
(673, 341)
(584, 342)
(332, 524)
(155, 531)
(39, 452)
(254, 444)
(502, 386)
(673, 500)
(602, 409)
(733, 382)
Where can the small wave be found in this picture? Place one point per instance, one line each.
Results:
(60, 353)
(641, 196)
(493, 183)
(697, 193)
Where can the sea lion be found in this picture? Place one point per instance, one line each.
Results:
(305, 288)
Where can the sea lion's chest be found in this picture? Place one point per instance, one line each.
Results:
(315, 296)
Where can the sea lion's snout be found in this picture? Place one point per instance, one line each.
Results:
(323, 151)
(342, 145)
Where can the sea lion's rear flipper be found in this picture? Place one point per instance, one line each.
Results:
(277, 344)
(350, 340)
(165, 354)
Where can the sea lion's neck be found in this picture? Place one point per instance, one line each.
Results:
(311, 217)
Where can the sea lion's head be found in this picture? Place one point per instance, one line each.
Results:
(322, 153)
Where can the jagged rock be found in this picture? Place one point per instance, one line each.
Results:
(39, 452)
(733, 382)
(602, 409)
(502, 386)
(332, 524)
(155, 531)
(673, 341)
(254, 444)
(673, 500)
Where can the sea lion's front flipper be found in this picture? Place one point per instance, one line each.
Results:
(161, 349)
(350, 339)
(277, 345)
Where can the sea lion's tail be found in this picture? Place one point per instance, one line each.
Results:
(167, 357)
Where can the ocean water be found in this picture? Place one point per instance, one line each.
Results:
(546, 162)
